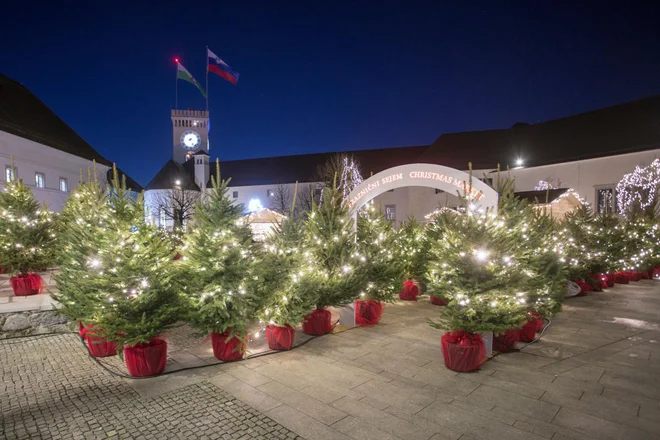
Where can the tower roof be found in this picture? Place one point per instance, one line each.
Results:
(168, 176)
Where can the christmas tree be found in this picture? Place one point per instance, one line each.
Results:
(138, 294)
(376, 240)
(545, 280)
(27, 231)
(473, 262)
(284, 280)
(331, 250)
(412, 249)
(84, 220)
(218, 265)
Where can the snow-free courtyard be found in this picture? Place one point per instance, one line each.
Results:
(593, 375)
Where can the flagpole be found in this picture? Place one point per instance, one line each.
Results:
(207, 78)
(176, 86)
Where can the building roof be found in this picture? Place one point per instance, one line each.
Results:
(619, 129)
(172, 172)
(623, 128)
(24, 115)
(303, 167)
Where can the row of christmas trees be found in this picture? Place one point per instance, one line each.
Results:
(118, 278)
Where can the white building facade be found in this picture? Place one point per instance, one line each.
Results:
(48, 155)
(588, 152)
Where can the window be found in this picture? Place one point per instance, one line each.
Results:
(39, 180)
(487, 180)
(9, 174)
(438, 191)
(64, 184)
(161, 217)
(390, 212)
(606, 200)
(390, 191)
(235, 194)
(270, 193)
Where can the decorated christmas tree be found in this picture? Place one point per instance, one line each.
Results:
(27, 237)
(412, 250)
(331, 250)
(285, 282)
(84, 223)
(473, 265)
(218, 268)
(139, 292)
(545, 280)
(376, 240)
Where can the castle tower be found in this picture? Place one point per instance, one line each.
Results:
(190, 130)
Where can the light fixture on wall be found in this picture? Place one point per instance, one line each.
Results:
(519, 162)
(255, 205)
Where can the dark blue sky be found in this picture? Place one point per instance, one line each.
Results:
(322, 76)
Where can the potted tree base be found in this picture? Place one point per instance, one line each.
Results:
(368, 313)
(531, 328)
(506, 342)
(318, 322)
(99, 347)
(437, 300)
(462, 351)
(28, 284)
(146, 359)
(280, 337)
(227, 347)
(622, 278)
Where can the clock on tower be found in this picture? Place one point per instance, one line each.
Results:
(190, 133)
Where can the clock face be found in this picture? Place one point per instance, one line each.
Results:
(190, 140)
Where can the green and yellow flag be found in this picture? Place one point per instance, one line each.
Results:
(182, 73)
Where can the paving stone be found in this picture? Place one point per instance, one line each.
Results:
(304, 425)
(248, 394)
(514, 402)
(358, 430)
(598, 427)
(303, 403)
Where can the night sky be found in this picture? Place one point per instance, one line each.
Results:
(321, 76)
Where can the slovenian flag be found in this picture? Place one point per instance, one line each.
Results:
(220, 68)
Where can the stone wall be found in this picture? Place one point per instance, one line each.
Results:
(33, 323)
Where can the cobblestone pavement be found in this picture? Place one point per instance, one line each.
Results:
(593, 375)
(49, 389)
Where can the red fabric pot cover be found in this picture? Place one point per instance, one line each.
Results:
(318, 322)
(280, 338)
(635, 276)
(529, 330)
(227, 348)
(644, 275)
(368, 313)
(655, 273)
(30, 284)
(506, 341)
(584, 286)
(600, 279)
(622, 277)
(99, 347)
(463, 351)
(146, 359)
(409, 292)
(611, 279)
(438, 301)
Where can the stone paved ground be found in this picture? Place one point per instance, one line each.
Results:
(594, 375)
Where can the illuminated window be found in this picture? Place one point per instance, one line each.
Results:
(39, 180)
(9, 174)
(161, 217)
(64, 184)
(390, 212)
(606, 200)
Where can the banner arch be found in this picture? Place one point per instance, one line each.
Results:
(423, 174)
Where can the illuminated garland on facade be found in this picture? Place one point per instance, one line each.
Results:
(638, 188)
